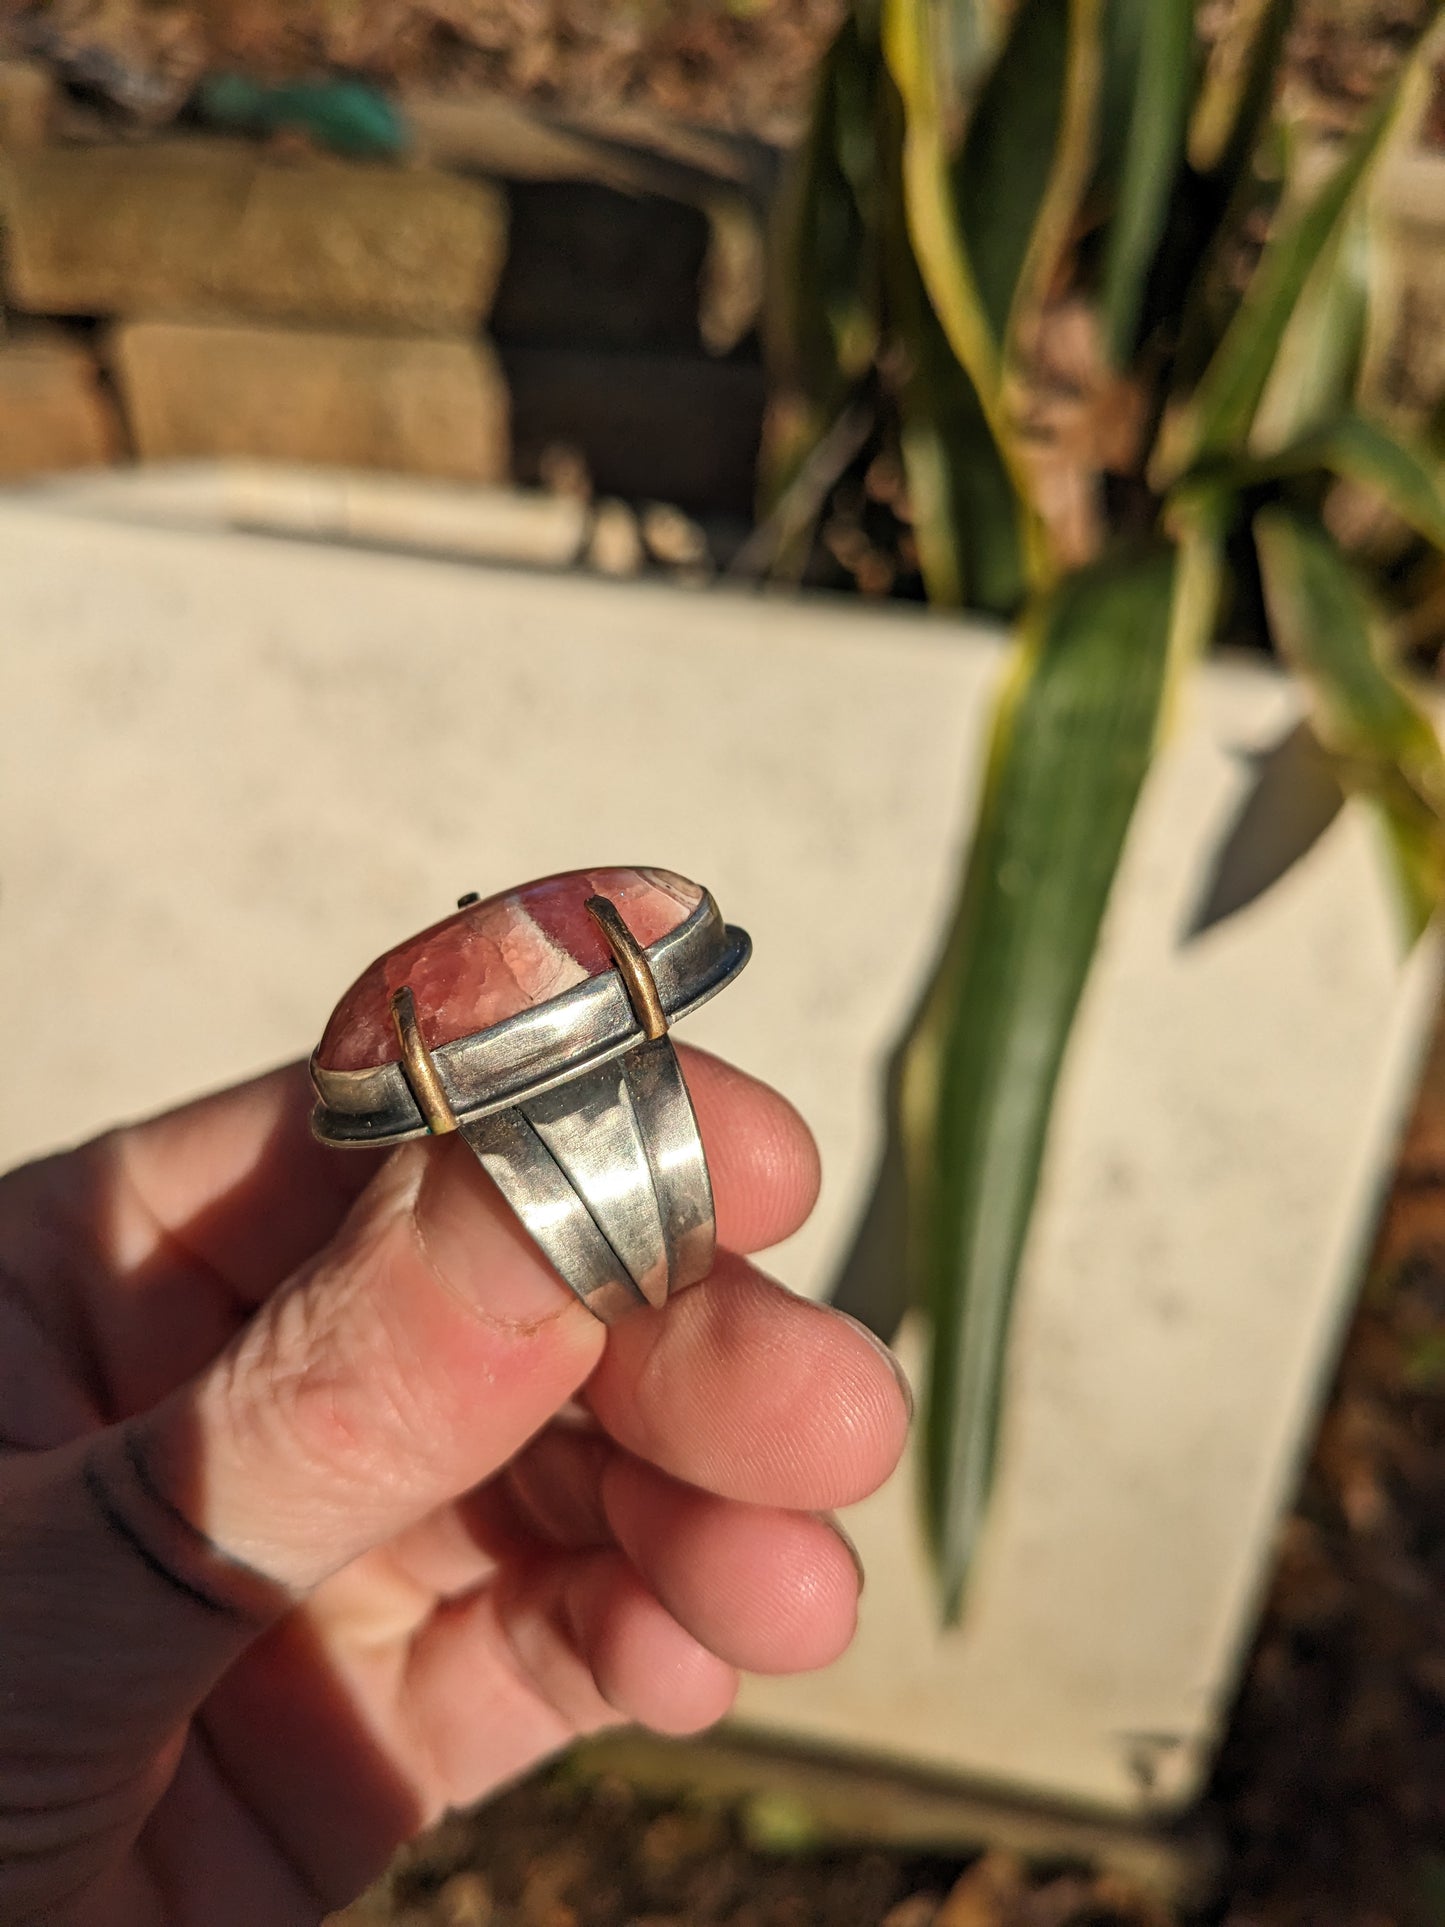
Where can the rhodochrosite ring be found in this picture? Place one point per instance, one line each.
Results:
(535, 1024)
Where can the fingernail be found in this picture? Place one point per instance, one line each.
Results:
(830, 1520)
(884, 1352)
(477, 1246)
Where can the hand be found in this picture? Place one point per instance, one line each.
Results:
(303, 1538)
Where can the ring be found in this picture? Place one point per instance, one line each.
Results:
(535, 1024)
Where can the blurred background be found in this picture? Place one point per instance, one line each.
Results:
(405, 405)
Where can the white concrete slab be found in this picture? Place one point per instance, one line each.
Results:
(235, 768)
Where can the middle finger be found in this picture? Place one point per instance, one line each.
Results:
(747, 1391)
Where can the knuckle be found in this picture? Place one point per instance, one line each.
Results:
(324, 1380)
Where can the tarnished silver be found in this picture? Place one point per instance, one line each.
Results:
(608, 1175)
(583, 1122)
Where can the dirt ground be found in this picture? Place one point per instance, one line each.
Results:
(741, 65)
(1327, 1808)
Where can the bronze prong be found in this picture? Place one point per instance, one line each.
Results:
(421, 1073)
(632, 967)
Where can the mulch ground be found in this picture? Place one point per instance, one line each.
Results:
(744, 66)
(741, 65)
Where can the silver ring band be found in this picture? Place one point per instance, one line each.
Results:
(575, 1107)
(607, 1173)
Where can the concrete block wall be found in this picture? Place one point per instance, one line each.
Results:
(190, 295)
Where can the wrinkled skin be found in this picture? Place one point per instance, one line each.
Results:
(325, 1507)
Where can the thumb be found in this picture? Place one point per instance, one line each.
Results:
(407, 1361)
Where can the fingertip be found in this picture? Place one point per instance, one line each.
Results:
(646, 1666)
(767, 1590)
(762, 1156)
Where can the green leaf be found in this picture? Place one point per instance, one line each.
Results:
(1072, 740)
(986, 231)
(1358, 450)
(910, 29)
(958, 476)
(909, 33)
(971, 32)
(1057, 221)
(1229, 189)
(1002, 174)
(1197, 525)
(965, 513)
(1237, 94)
(1316, 373)
(1153, 44)
(823, 293)
(967, 517)
(823, 298)
(1384, 744)
(1218, 419)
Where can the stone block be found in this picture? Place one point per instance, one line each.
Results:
(27, 105)
(54, 414)
(208, 227)
(420, 404)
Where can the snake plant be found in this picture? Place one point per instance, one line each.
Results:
(1119, 315)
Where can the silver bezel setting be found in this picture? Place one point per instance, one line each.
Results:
(538, 1049)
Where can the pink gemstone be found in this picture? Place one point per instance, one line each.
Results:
(495, 958)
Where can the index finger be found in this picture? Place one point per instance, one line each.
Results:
(240, 1183)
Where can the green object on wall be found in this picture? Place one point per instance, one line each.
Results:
(346, 115)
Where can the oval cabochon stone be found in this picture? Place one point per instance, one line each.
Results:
(498, 957)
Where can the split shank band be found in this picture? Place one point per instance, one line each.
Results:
(576, 1109)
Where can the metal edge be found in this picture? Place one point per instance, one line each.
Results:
(507, 1063)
